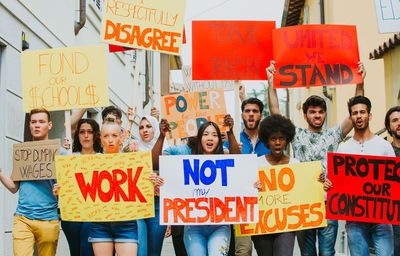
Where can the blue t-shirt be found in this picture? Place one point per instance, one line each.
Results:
(36, 200)
(247, 147)
(178, 150)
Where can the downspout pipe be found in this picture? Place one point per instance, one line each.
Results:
(82, 16)
(322, 18)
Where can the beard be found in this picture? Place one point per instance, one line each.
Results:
(362, 128)
(310, 123)
(252, 128)
(395, 134)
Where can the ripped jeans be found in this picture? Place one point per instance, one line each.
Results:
(203, 240)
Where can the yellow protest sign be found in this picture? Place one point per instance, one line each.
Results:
(186, 112)
(105, 187)
(65, 78)
(155, 25)
(291, 199)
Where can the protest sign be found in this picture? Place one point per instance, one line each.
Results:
(151, 25)
(364, 188)
(65, 78)
(316, 55)
(105, 187)
(388, 15)
(200, 85)
(117, 48)
(186, 112)
(34, 160)
(291, 199)
(208, 189)
(231, 50)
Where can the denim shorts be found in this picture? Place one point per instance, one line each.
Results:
(119, 231)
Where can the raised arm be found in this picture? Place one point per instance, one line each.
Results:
(273, 102)
(11, 185)
(131, 115)
(346, 124)
(233, 145)
(157, 148)
(75, 117)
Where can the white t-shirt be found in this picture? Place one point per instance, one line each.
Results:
(262, 161)
(376, 146)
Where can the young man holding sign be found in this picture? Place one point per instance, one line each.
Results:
(312, 144)
(36, 217)
(392, 124)
(364, 142)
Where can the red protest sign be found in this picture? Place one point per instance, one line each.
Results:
(117, 48)
(365, 188)
(316, 55)
(231, 50)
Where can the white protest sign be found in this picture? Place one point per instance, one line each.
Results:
(200, 85)
(388, 15)
(208, 189)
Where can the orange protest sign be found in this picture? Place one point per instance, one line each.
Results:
(188, 111)
(65, 78)
(105, 187)
(231, 50)
(316, 55)
(151, 25)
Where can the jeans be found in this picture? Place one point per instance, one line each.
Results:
(177, 240)
(359, 233)
(396, 239)
(77, 234)
(114, 231)
(326, 240)
(151, 233)
(207, 240)
(281, 244)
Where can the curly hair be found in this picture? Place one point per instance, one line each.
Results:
(77, 146)
(387, 118)
(198, 148)
(274, 124)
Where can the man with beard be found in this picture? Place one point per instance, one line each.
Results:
(312, 144)
(251, 114)
(364, 142)
(392, 124)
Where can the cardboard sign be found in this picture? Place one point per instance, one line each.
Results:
(316, 55)
(374, 193)
(291, 199)
(199, 85)
(151, 25)
(231, 50)
(188, 111)
(65, 78)
(208, 189)
(34, 160)
(388, 15)
(105, 187)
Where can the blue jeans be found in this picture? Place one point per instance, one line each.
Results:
(206, 240)
(396, 239)
(359, 233)
(326, 240)
(77, 234)
(151, 233)
(116, 232)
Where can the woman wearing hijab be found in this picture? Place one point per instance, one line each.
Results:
(150, 232)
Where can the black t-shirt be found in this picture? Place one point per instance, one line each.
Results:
(396, 150)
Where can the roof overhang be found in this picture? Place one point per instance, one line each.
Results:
(387, 46)
(292, 12)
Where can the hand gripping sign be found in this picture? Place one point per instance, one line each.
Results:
(105, 187)
(208, 189)
(291, 199)
(316, 55)
(374, 193)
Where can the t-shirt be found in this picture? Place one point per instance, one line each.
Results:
(376, 146)
(178, 150)
(263, 162)
(36, 200)
(247, 146)
(314, 146)
(396, 150)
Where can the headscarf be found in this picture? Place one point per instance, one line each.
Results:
(144, 146)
